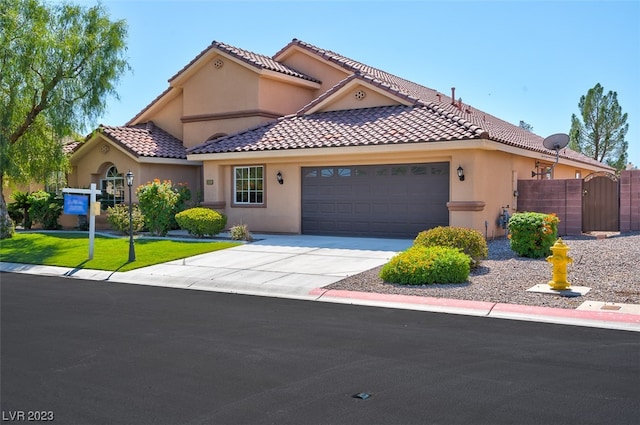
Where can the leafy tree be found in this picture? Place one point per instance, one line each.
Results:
(526, 126)
(601, 132)
(58, 65)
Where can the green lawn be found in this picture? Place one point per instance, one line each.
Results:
(69, 249)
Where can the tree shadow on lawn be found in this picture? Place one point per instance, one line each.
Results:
(29, 251)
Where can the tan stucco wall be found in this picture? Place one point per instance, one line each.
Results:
(168, 117)
(282, 97)
(233, 87)
(329, 75)
(347, 100)
(201, 131)
(490, 179)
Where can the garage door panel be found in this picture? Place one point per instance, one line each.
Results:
(360, 208)
(383, 200)
(327, 208)
(344, 208)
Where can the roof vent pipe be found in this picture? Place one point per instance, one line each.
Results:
(453, 95)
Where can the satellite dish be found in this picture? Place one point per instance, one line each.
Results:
(555, 142)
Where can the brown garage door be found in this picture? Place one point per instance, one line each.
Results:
(396, 200)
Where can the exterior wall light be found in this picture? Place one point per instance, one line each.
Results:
(279, 177)
(461, 173)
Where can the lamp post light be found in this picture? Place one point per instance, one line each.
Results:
(132, 252)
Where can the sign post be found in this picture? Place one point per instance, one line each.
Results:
(94, 209)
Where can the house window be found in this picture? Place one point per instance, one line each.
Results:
(249, 185)
(112, 187)
(544, 171)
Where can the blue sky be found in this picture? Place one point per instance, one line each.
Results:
(518, 60)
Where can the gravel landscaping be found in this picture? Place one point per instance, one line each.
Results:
(609, 266)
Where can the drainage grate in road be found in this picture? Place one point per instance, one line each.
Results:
(361, 396)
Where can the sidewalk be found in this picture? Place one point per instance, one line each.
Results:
(300, 266)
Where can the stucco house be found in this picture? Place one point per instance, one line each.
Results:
(309, 141)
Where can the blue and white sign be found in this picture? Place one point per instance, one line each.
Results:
(76, 204)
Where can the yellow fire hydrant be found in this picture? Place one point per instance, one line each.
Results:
(559, 260)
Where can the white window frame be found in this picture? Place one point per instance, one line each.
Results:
(249, 185)
(114, 180)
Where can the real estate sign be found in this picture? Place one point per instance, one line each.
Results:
(76, 204)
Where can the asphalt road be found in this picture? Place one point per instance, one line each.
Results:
(87, 352)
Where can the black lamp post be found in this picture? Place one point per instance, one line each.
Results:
(132, 252)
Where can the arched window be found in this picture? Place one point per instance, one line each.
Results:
(112, 186)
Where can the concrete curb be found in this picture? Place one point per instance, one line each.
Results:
(599, 319)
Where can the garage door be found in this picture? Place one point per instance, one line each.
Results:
(397, 200)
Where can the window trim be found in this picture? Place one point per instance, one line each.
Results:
(114, 179)
(235, 204)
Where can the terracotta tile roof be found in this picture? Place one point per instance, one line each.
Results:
(254, 59)
(496, 129)
(145, 140)
(69, 148)
(383, 125)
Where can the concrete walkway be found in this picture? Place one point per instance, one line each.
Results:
(300, 266)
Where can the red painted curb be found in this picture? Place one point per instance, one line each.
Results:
(408, 299)
(602, 316)
(492, 309)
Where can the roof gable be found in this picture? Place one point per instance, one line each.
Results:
(253, 60)
(324, 102)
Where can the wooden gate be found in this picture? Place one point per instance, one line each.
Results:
(600, 203)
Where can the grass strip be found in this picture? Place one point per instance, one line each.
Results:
(67, 249)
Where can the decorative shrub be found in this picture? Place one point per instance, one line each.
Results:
(157, 201)
(469, 241)
(45, 209)
(118, 218)
(201, 221)
(533, 234)
(19, 209)
(240, 232)
(421, 265)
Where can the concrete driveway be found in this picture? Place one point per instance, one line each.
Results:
(274, 265)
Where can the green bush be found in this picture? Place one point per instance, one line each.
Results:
(19, 208)
(469, 241)
(533, 234)
(45, 208)
(421, 265)
(201, 221)
(240, 232)
(118, 218)
(157, 201)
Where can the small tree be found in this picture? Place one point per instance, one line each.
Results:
(526, 126)
(601, 132)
